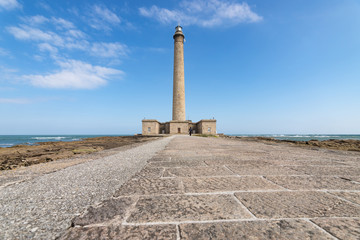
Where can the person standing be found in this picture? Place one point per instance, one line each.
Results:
(190, 131)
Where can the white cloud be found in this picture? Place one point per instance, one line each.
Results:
(101, 17)
(205, 13)
(75, 75)
(9, 4)
(4, 52)
(14, 100)
(63, 23)
(35, 20)
(29, 33)
(109, 50)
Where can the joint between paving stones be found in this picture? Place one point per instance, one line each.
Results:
(244, 207)
(321, 229)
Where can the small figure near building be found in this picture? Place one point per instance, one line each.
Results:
(190, 131)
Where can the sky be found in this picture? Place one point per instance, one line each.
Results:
(256, 66)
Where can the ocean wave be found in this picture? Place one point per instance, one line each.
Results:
(47, 138)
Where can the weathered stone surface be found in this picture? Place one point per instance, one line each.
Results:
(348, 229)
(355, 178)
(193, 163)
(305, 204)
(223, 184)
(351, 196)
(121, 232)
(108, 210)
(197, 172)
(187, 207)
(148, 186)
(314, 182)
(307, 162)
(289, 229)
(150, 173)
(235, 162)
(329, 170)
(263, 170)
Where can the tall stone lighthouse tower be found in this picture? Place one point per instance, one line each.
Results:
(178, 113)
(178, 124)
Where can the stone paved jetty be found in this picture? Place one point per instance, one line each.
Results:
(214, 188)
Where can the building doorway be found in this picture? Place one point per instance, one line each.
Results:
(179, 130)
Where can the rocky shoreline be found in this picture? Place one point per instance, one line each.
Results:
(335, 144)
(26, 155)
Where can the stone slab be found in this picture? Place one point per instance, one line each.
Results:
(223, 184)
(145, 186)
(197, 172)
(284, 229)
(150, 173)
(263, 170)
(235, 162)
(121, 232)
(355, 178)
(329, 170)
(348, 229)
(108, 210)
(187, 207)
(193, 163)
(307, 162)
(351, 196)
(314, 182)
(305, 204)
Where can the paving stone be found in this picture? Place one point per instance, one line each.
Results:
(314, 182)
(223, 184)
(187, 207)
(329, 170)
(108, 210)
(197, 172)
(150, 173)
(263, 170)
(235, 162)
(307, 162)
(144, 186)
(348, 229)
(305, 204)
(121, 232)
(355, 178)
(351, 196)
(194, 163)
(284, 229)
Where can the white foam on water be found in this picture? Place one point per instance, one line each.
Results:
(46, 138)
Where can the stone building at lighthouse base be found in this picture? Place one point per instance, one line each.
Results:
(153, 127)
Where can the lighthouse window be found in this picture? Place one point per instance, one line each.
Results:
(209, 129)
(149, 129)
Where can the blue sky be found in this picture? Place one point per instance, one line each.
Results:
(258, 67)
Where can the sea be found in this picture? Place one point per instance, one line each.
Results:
(12, 140)
(303, 137)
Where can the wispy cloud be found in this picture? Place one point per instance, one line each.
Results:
(15, 100)
(62, 23)
(4, 52)
(75, 75)
(109, 50)
(9, 4)
(67, 36)
(205, 13)
(102, 18)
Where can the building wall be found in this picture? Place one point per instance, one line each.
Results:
(150, 127)
(207, 126)
(175, 125)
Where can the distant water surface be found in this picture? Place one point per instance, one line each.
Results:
(302, 137)
(12, 140)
